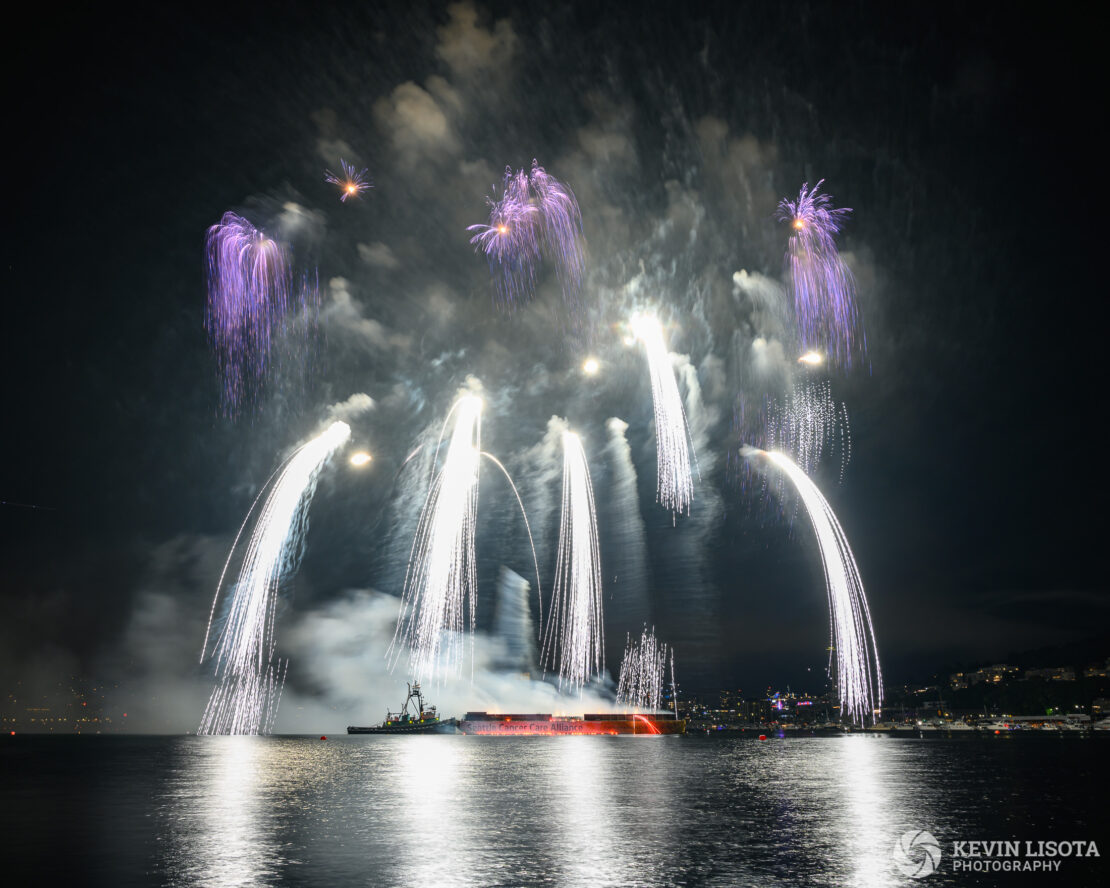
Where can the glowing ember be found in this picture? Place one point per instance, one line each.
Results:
(351, 184)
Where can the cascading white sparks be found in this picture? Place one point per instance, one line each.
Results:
(859, 678)
(809, 423)
(674, 485)
(643, 672)
(574, 637)
(441, 583)
(248, 681)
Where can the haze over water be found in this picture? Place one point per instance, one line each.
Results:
(694, 810)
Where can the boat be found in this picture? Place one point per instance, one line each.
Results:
(546, 724)
(421, 720)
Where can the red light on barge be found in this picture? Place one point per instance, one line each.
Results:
(547, 725)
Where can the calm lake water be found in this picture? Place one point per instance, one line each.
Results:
(458, 810)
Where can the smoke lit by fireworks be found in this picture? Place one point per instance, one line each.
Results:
(535, 218)
(248, 681)
(574, 636)
(674, 484)
(248, 295)
(351, 184)
(823, 287)
(643, 672)
(858, 677)
(441, 584)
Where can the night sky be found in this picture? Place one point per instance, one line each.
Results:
(963, 140)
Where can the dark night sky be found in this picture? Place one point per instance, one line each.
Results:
(961, 139)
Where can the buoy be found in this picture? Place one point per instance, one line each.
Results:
(762, 736)
(323, 737)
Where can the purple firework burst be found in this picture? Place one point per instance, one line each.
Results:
(536, 217)
(248, 295)
(823, 287)
(352, 183)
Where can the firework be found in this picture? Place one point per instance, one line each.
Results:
(859, 679)
(643, 672)
(248, 295)
(248, 681)
(808, 425)
(674, 487)
(536, 217)
(823, 287)
(441, 583)
(351, 184)
(574, 637)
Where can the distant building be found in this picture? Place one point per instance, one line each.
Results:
(995, 674)
(1054, 673)
(1098, 671)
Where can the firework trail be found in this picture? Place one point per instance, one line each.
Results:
(643, 671)
(823, 287)
(441, 584)
(351, 184)
(574, 623)
(248, 295)
(536, 217)
(248, 681)
(853, 638)
(674, 487)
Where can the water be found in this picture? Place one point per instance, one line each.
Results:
(695, 810)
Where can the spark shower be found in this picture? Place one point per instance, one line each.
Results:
(823, 287)
(250, 298)
(440, 595)
(535, 217)
(248, 682)
(859, 680)
(575, 623)
(674, 483)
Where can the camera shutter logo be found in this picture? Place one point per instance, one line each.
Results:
(916, 853)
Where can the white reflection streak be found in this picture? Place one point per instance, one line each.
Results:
(592, 826)
(436, 817)
(230, 848)
(868, 843)
(674, 487)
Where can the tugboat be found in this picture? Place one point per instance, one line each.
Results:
(422, 720)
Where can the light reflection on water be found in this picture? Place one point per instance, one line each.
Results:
(580, 810)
